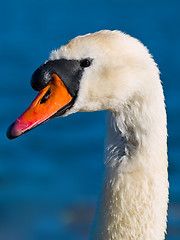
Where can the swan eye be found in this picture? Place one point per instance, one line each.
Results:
(85, 63)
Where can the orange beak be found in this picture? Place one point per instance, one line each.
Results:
(52, 99)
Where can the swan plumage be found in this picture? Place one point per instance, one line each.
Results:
(122, 78)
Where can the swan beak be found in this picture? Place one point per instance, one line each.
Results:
(53, 100)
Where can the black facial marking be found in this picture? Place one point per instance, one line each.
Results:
(69, 71)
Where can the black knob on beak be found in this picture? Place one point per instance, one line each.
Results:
(41, 77)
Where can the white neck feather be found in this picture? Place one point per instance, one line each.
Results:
(134, 197)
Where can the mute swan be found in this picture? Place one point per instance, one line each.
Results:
(109, 70)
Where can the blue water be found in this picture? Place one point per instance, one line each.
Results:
(50, 177)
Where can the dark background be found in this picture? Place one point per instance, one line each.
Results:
(50, 178)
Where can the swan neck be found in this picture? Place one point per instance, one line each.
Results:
(134, 197)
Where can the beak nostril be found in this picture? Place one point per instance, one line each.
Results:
(46, 96)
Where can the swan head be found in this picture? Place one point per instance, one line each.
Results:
(98, 71)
